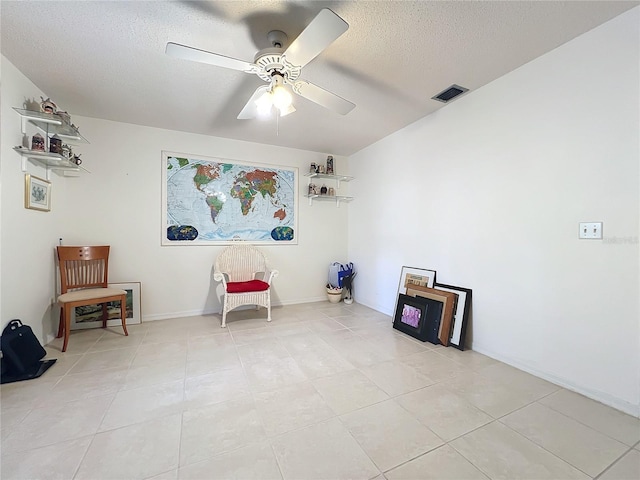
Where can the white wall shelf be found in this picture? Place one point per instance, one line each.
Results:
(337, 178)
(51, 161)
(336, 198)
(50, 124)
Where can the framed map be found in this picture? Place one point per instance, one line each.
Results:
(213, 201)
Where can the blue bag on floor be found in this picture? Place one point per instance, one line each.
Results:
(337, 273)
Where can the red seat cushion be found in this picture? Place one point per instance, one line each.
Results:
(250, 286)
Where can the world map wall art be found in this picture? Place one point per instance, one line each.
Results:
(213, 201)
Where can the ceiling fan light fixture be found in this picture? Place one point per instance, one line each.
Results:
(264, 104)
(282, 99)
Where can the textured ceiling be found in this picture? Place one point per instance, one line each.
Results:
(107, 60)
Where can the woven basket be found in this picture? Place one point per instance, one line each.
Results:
(334, 295)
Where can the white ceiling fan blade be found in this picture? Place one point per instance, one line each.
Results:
(286, 111)
(323, 97)
(250, 110)
(323, 30)
(202, 56)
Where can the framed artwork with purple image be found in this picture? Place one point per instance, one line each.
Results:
(418, 317)
(414, 276)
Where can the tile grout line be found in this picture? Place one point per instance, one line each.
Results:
(545, 449)
(584, 424)
(610, 466)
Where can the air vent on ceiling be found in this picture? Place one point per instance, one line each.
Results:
(450, 93)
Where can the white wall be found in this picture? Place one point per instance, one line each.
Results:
(119, 204)
(489, 191)
(27, 237)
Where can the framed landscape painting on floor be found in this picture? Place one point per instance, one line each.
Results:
(90, 316)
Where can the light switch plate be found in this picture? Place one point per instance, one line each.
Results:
(591, 230)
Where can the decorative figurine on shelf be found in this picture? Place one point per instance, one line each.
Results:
(65, 117)
(329, 165)
(312, 169)
(47, 106)
(76, 159)
(323, 190)
(66, 152)
(312, 189)
(55, 145)
(320, 168)
(37, 142)
(331, 192)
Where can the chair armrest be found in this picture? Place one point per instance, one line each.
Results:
(272, 274)
(220, 277)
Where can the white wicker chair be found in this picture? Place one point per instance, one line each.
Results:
(246, 280)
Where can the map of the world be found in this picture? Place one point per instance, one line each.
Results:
(210, 200)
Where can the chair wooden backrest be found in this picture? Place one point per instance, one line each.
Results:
(84, 281)
(83, 267)
(241, 263)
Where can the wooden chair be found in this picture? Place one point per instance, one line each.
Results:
(243, 271)
(83, 281)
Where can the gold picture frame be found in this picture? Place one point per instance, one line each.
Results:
(37, 193)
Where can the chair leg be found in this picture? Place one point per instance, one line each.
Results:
(61, 323)
(123, 314)
(224, 311)
(268, 305)
(105, 315)
(67, 327)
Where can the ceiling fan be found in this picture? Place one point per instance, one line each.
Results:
(281, 67)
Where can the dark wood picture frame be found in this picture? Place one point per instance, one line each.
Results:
(417, 276)
(461, 315)
(426, 314)
(449, 301)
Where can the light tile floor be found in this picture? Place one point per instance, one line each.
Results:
(322, 392)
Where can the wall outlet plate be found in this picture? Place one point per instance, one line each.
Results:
(590, 230)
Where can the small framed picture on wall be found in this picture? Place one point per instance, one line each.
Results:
(37, 193)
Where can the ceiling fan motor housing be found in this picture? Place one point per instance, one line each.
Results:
(271, 60)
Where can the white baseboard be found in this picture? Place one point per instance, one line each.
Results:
(193, 313)
(598, 396)
(169, 316)
(301, 301)
(373, 305)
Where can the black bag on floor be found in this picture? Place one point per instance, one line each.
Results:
(21, 353)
